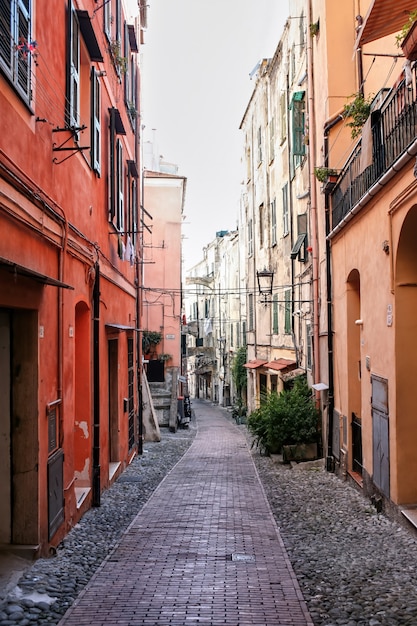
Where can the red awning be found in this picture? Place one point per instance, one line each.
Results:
(281, 364)
(384, 17)
(254, 364)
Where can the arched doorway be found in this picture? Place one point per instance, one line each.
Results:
(353, 336)
(406, 360)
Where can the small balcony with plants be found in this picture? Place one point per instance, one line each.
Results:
(387, 131)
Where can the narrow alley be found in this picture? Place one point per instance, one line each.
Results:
(204, 550)
(205, 547)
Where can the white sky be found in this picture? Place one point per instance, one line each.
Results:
(196, 62)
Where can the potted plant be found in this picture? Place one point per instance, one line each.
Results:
(287, 422)
(407, 37)
(324, 173)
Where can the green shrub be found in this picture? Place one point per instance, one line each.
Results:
(239, 372)
(287, 418)
(150, 339)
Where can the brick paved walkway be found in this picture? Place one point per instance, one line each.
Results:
(204, 550)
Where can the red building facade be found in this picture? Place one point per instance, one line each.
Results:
(69, 248)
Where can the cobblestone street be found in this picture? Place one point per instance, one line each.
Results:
(206, 548)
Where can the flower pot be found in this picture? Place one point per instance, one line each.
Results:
(409, 44)
(330, 183)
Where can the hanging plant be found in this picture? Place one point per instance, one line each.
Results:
(119, 61)
(358, 111)
(150, 339)
(399, 38)
(164, 357)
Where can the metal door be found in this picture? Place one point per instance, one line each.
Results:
(380, 434)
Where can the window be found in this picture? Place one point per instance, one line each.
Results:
(16, 46)
(272, 139)
(309, 347)
(116, 176)
(261, 225)
(298, 121)
(285, 211)
(133, 206)
(275, 315)
(273, 222)
(73, 81)
(250, 238)
(231, 336)
(300, 247)
(237, 335)
(302, 32)
(283, 116)
(248, 161)
(259, 145)
(287, 312)
(95, 121)
(120, 216)
(251, 319)
(244, 333)
(107, 15)
(130, 78)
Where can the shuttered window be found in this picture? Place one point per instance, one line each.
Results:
(16, 46)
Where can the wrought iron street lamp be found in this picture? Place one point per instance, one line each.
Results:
(265, 280)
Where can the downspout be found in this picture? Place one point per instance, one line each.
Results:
(330, 357)
(291, 212)
(313, 205)
(96, 388)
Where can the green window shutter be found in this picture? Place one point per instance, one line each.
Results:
(287, 321)
(275, 315)
(298, 123)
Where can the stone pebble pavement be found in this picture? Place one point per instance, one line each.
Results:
(355, 567)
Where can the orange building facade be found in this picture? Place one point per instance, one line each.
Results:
(69, 247)
(367, 224)
(164, 196)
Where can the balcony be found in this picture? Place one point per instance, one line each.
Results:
(386, 144)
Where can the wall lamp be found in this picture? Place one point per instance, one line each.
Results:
(265, 279)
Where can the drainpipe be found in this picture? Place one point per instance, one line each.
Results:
(139, 355)
(330, 358)
(96, 387)
(313, 205)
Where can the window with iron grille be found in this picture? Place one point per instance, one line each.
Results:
(16, 47)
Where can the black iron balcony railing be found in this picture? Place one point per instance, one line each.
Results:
(393, 131)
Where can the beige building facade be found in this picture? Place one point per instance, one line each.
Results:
(275, 217)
